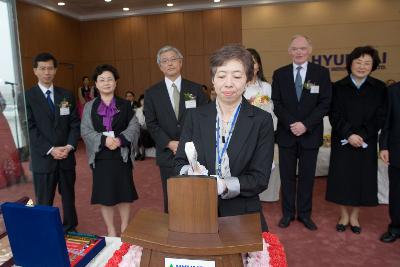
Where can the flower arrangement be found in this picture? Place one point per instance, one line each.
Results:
(307, 85)
(260, 100)
(126, 255)
(189, 96)
(272, 255)
(276, 251)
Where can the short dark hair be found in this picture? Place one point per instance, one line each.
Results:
(360, 51)
(257, 58)
(232, 52)
(102, 68)
(129, 92)
(44, 57)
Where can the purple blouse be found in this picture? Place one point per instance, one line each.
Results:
(107, 112)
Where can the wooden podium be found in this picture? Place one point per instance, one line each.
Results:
(192, 229)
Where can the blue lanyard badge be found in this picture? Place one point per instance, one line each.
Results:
(220, 155)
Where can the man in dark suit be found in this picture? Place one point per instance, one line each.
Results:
(390, 153)
(165, 106)
(301, 93)
(53, 135)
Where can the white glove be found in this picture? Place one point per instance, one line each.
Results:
(191, 154)
(345, 142)
(199, 170)
(221, 185)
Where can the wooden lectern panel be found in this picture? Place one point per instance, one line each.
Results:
(237, 234)
(193, 204)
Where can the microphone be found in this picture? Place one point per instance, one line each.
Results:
(7, 82)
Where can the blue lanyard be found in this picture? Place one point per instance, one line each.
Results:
(227, 140)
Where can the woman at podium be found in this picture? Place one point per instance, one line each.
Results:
(233, 139)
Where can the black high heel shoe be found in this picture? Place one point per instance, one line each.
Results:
(355, 229)
(341, 227)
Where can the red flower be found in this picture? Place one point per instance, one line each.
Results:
(276, 251)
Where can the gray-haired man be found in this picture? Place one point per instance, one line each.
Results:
(165, 106)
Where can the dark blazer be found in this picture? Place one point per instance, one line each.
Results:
(310, 110)
(250, 152)
(390, 135)
(48, 129)
(119, 124)
(161, 120)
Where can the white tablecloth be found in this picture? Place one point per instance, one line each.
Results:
(112, 244)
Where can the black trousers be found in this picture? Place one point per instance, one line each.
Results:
(297, 190)
(394, 199)
(165, 173)
(45, 188)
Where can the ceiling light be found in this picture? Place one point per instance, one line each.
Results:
(107, 1)
(217, 1)
(170, 4)
(125, 9)
(61, 3)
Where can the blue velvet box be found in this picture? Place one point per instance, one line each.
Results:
(37, 238)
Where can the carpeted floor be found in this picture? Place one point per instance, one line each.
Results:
(324, 247)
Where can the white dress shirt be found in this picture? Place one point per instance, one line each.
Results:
(44, 90)
(169, 83)
(303, 71)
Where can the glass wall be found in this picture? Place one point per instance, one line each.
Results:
(13, 127)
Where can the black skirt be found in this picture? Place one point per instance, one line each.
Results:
(113, 181)
(353, 178)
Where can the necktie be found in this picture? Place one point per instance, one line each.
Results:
(49, 101)
(175, 96)
(298, 83)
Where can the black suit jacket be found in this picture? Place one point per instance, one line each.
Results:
(250, 152)
(310, 110)
(48, 129)
(390, 135)
(161, 120)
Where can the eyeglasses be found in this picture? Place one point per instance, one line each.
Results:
(46, 68)
(165, 61)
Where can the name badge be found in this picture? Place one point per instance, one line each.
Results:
(64, 111)
(190, 104)
(109, 134)
(314, 89)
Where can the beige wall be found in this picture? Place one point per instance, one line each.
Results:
(335, 27)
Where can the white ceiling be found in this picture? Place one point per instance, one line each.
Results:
(99, 9)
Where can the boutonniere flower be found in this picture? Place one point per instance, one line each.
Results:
(64, 103)
(307, 85)
(189, 96)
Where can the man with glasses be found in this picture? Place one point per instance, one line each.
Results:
(165, 106)
(53, 135)
(301, 92)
